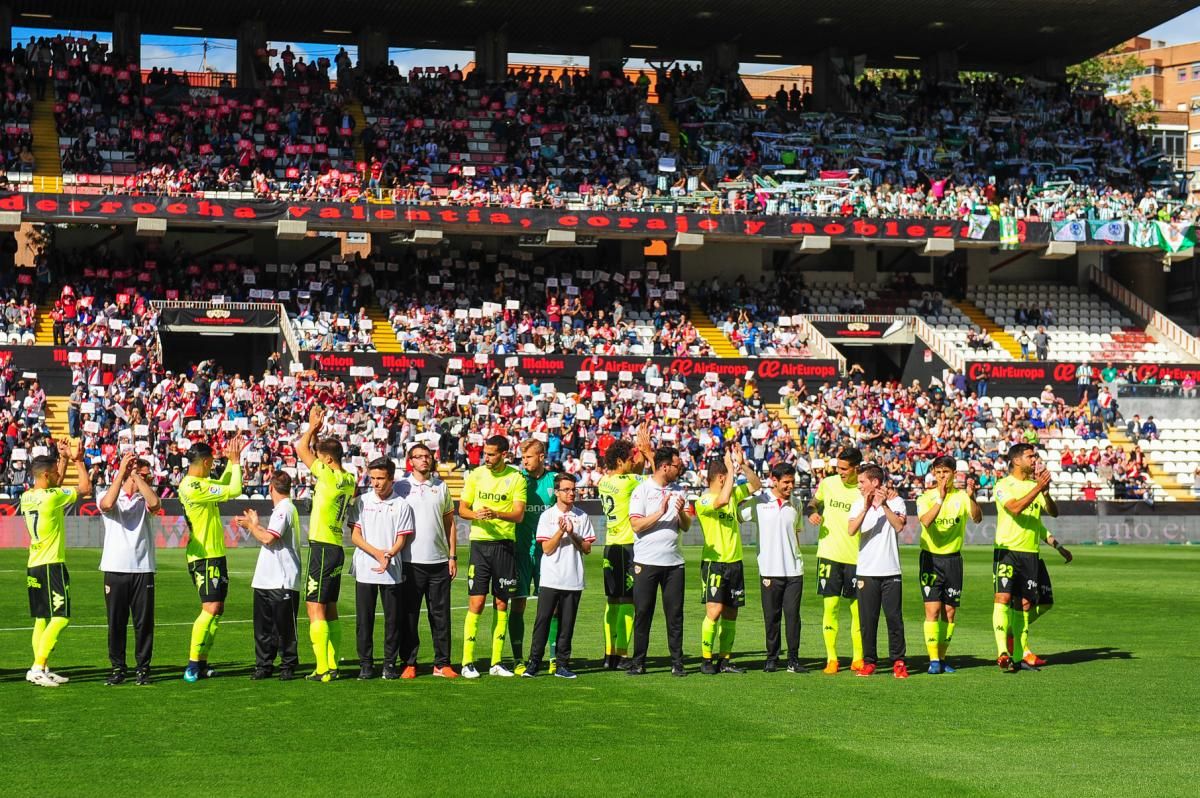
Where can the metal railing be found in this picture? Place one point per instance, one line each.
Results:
(1139, 307)
(817, 343)
(954, 359)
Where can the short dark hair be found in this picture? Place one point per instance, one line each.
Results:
(41, 464)
(199, 451)
(872, 472)
(616, 452)
(331, 447)
(141, 462)
(945, 461)
(851, 455)
(716, 468)
(1018, 450)
(281, 482)
(563, 477)
(498, 441)
(383, 464)
(664, 455)
(781, 470)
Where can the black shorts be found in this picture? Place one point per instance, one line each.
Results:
(836, 578)
(941, 578)
(493, 569)
(324, 582)
(49, 591)
(1016, 573)
(723, 583)
(618, 571)
(211, 578)
(1045, 589)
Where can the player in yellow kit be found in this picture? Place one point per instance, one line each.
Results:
(333, 497)
(207, 565)
(837, 554)
(44, 507)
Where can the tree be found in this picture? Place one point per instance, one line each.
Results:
(1115, 71)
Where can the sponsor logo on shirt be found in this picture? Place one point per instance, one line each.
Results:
(488, 496)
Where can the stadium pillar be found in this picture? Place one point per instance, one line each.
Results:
(940, 66)
(6, 27)
(1084, 262)
(1142, 273)
(1052, 68)
(979, 263)
(372, 48)
(721, 59)
(251, 38)
(833, 70)
(127, 35)
(491, 54)
(866, 264)
(605, 56)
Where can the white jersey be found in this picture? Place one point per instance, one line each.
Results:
(128, 537)
(878, 542)
(430, 501)
(659, 545)
(563, 570)
(278, 566)
(381, 522)
(778, 523)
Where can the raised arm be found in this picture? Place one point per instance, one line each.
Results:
(304, 444)
(109, 500)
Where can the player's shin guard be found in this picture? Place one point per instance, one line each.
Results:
(200, 629)
(335, 643)
(499, 630)
(727, 635)
(49, 640)
(1001, 623)
(708, 635)
(39, 626)
(612, 614)
(470, 630)
(829, 627)
(933, 640)
(516, 635)
(946, 633)
(318, 633)
(855, 632)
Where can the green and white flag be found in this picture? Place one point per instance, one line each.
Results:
(1009, 237)
(1174, 237)
(1109, 232)
(1143, 234)
(977, 225)
(1069, 231)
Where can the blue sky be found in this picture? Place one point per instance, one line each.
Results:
(187, 53)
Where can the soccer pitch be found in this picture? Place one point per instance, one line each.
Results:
(1113, 713)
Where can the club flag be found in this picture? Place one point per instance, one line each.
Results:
(1143, 234)
(977, 225)
(1069, 231)
(1009, 237)
(1174, 237)
(1108, 232)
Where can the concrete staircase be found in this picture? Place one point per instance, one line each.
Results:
(383, 335)
(1165, 480)
(721, 346)
(43, 331)
(56, 416)
(355, 109)
(669, 125)
(788, 421)
(985, 322)
(454, 480)
(47, 166)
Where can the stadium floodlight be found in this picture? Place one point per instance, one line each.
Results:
(560, 238)
(151, 228)
(10, 221)
(291, 229)
(426, 236)
(1057, 250)
(688, 242)
(938, 247)
(814, 245)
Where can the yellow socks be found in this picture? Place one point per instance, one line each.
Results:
(708, 635)
(318, 633)
(829, 627)
(470, 630)
(48, 640)
(499, 631)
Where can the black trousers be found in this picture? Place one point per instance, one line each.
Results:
(365, 599)
(874, 592)
(647, 581)
(781, 601)
(275, 614)
(566, 604)
(126, 595)
(431, 584)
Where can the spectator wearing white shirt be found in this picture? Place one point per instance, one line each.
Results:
(877, 518)
(128, 565)
(276, 582)
(383, 524)
(658, 514)
(565, 534)
(779, 517)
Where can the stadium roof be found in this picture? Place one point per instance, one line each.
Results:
(988, 34)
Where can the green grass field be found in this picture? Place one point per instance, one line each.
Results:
(1115, 713)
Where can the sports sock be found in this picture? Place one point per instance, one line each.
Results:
(612, 615)
(1001, 623)
(829, 627)
(516, 635)
(947, 634)
(728, 633)
(499, 630)
(200, 629)
(553, 641)
(626, 633)
(470, 629)
(39, 626)
(932, 639)
(855, 632)
(318, 633)
(1038, 611)
(708, 633)
(1021, 632)
(49, 640)
(335, 642)
(211, 635)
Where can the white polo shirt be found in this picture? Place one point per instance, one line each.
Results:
(778, 522)
(563, 570)
(278, 566)
(128, 537)
(659, 545)
(878, 542)
(381, 521)
(430, 501)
